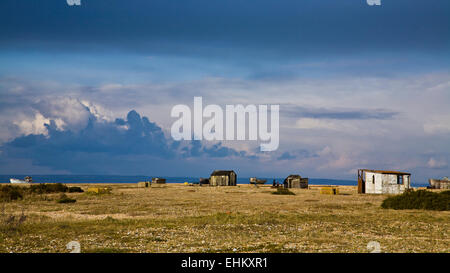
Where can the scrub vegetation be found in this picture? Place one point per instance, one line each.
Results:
(421, 199)
(15, 192)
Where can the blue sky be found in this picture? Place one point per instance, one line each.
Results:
(358, 86)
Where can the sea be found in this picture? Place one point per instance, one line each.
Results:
(97, 179)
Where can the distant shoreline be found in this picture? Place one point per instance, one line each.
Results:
(267, 185)
(129, 179)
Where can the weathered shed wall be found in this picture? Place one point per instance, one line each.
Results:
(296, 181)
(223, 179)
(216, 180)
(381, 183)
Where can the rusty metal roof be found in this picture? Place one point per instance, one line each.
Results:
(385, 172)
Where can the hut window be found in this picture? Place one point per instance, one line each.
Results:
(373, 179)
(400, 179)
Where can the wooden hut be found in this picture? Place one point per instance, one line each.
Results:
(223, 178)
(296, 181)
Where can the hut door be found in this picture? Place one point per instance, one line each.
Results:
(361, 182)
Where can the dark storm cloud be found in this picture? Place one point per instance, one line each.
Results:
(141, 137)
(135, 142)
(275, 27)
(216, 150)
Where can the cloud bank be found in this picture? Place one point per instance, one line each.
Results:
(80, 141)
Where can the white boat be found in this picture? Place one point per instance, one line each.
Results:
(28, 180)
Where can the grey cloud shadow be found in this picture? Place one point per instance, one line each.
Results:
(295, 111)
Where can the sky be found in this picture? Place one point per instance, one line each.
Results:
(89, 89)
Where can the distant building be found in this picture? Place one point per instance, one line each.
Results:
(443, 183)
(223, 178)
(381, 182)
(296, 181)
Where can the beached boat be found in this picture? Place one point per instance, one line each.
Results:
(158, 180)
(254, 180)
(203, 181)
(443, 183)
(27, 180)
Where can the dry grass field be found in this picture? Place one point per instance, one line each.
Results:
(181, 218)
